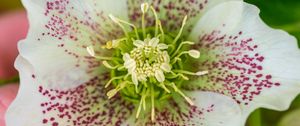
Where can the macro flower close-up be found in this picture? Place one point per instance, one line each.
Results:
(150, 62)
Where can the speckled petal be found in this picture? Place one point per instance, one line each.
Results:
(60, 31)
(172, 12)
(246, 60)
(211, 109)
(87, 104)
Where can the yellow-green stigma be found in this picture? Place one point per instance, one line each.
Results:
(146, 65)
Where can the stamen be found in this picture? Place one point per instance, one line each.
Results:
(152, 104)
(134, 78)
(144, 99)
(156, 20)
(182, 94)
(114, 19)
(162, 46)
(180, 31)
(107, 65)
(194, 53)
(132, 25)
(111, 93)
(164, 87)
(142, 103)
(180, 46)
(107, 58)
(184, 77)
(162, 31)
(144, 8)
(90, 50)
(113, 43)
(112, 79)
(139, 108)
(199, 73)
(178, 75)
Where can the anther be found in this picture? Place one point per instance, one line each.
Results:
(90, 50)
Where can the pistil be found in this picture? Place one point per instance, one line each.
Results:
(145, 67)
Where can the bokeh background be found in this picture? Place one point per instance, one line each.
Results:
(280, 14)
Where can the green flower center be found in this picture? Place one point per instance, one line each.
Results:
(147, 63)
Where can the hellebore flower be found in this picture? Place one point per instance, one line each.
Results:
(185, 62)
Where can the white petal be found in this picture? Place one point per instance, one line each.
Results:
(59, 33)
(37, 105)
(247, 60)
(159, 75)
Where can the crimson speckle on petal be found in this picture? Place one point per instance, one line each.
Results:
(235, 67)
(170, 12)
(84, 105)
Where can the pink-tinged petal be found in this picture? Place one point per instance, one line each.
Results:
(60, 31)
(211, 109)
(87, 104)
(171, 13)
(247, 60)
(7, 95)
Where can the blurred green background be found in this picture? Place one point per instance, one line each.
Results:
(281, 14)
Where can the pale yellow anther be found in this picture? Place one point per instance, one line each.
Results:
(112, 93)
(162, 46)
(144, 7)
(194, 53)
(108, 45)
(113, 18)
(200, 73)
(90, 50)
